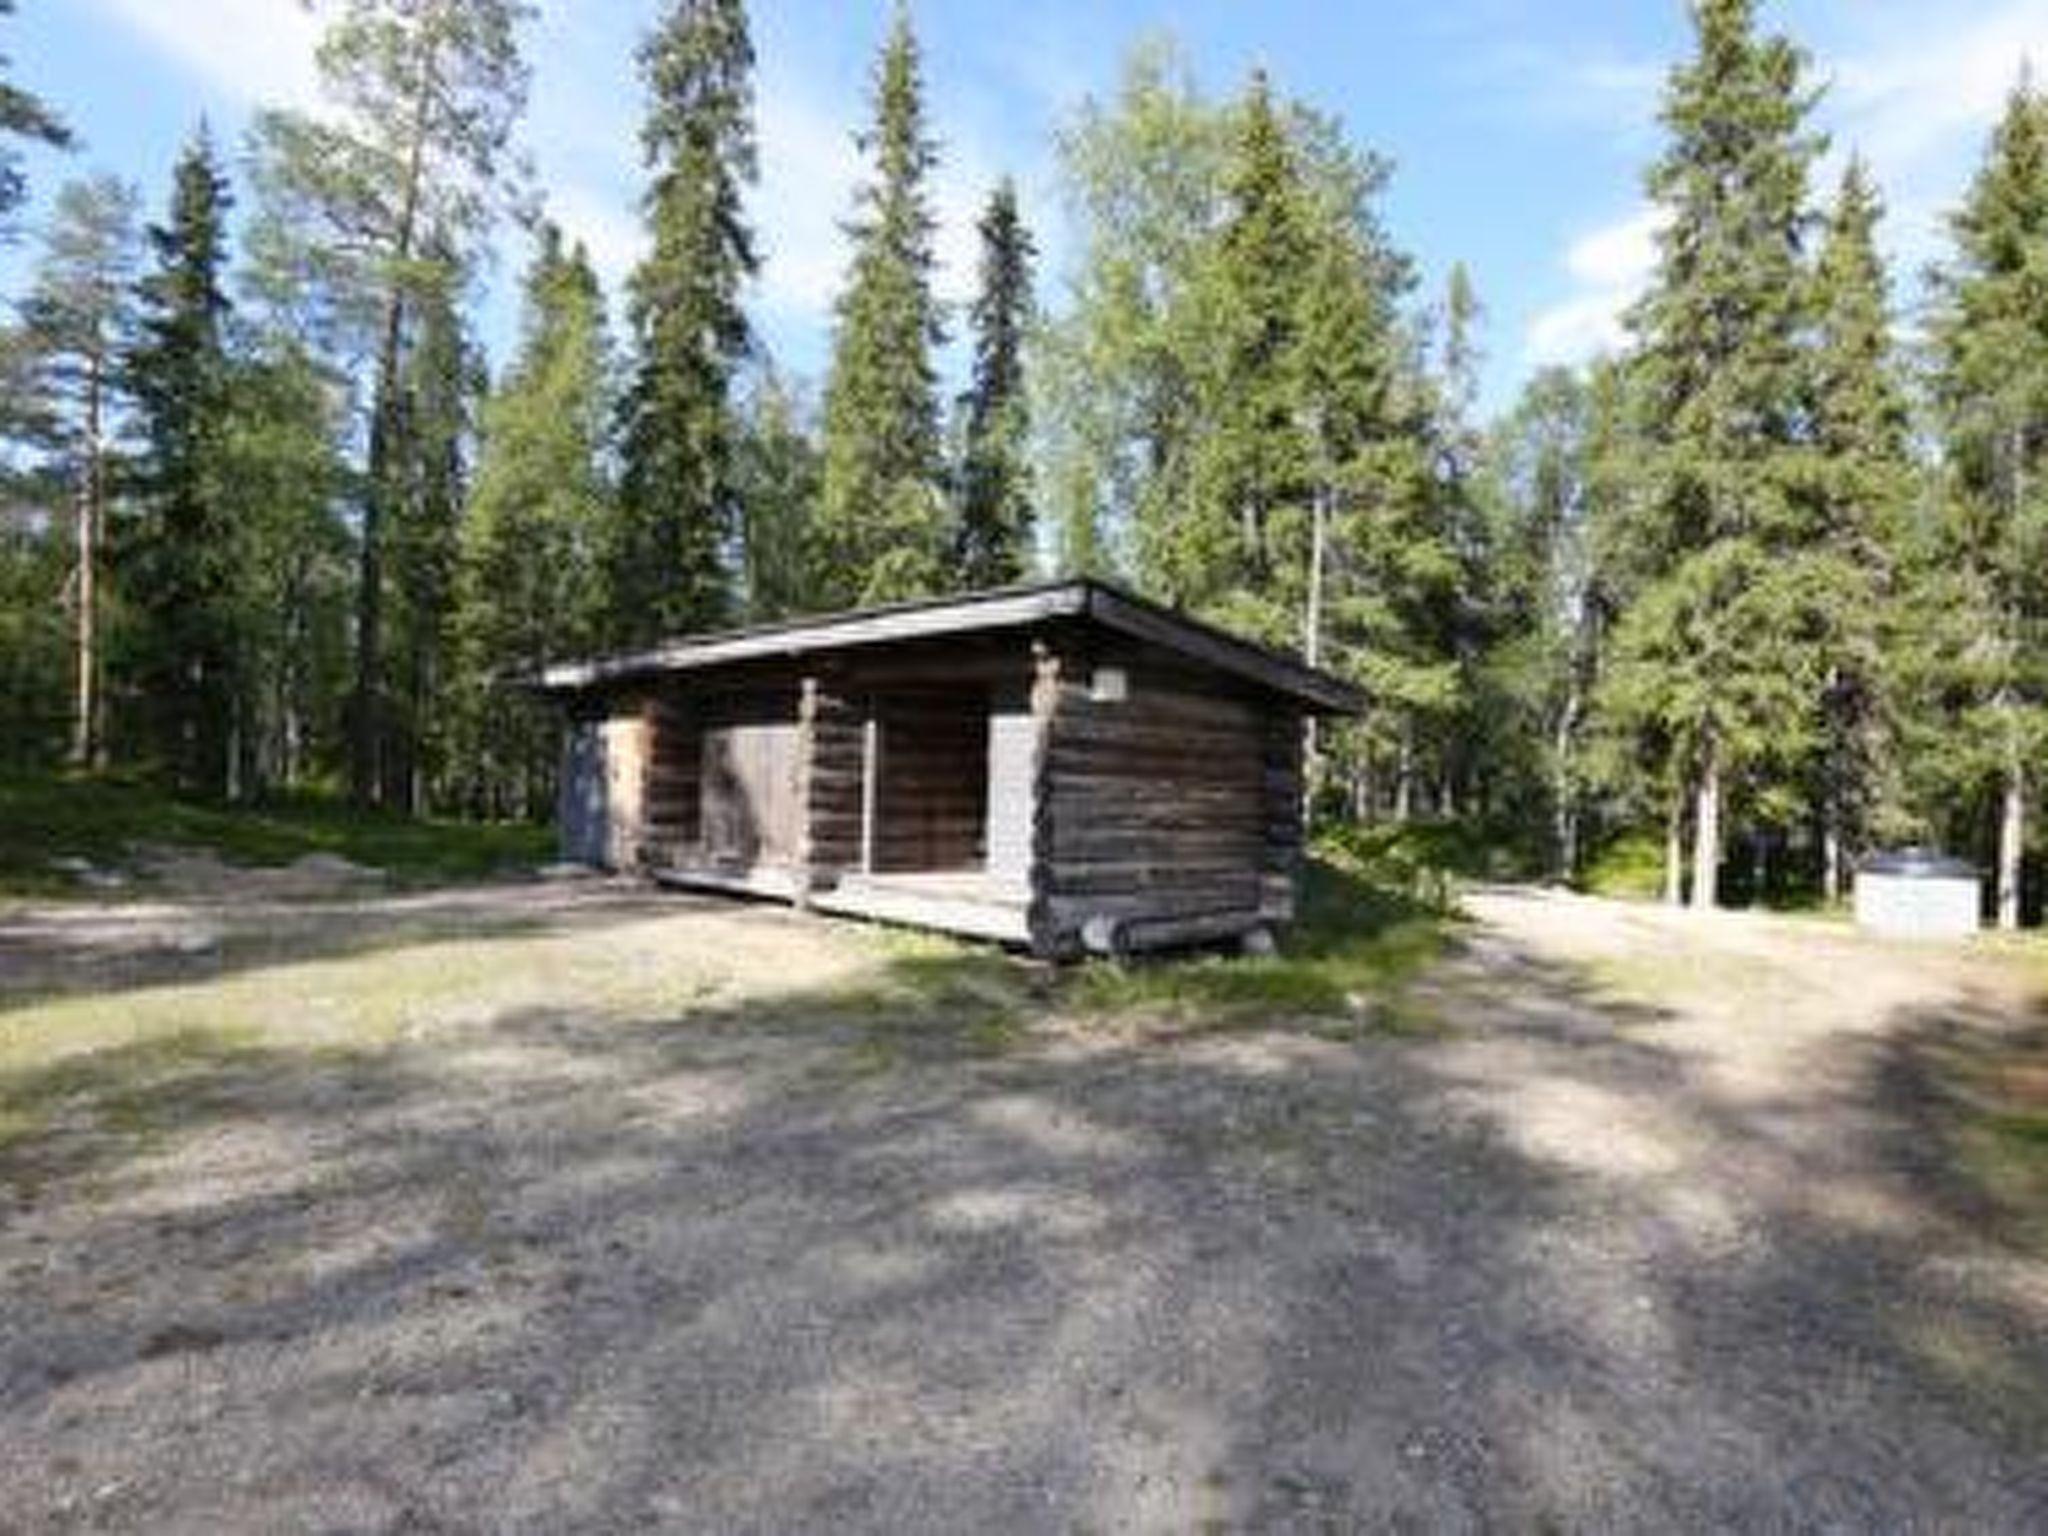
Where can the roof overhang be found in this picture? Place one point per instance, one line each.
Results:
(1006, 608)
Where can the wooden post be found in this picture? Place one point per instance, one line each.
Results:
(1045, 703)
(870, 774)
(806, 747)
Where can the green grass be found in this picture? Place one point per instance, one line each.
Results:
(1630, 868)
(1351, 953)
(46, 817)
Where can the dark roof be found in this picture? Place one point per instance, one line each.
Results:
(979, 612)
(1916, 864)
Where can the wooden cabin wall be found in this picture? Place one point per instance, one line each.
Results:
(625, 737)
(931, 787)
(1174, 810)
(582, 817)
(1012, 779)
(831, 758)
(673, 779)
(749, 813)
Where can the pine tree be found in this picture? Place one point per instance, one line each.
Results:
(185, 574)
(1991, 392)
(881, 525)
(23, 116)
(1860, 430)
(993, 540)
(529, 570)
(1721, 382)
(375, 208)
(679, 507)
(80, 315)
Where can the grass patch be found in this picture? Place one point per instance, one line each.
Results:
(1350, 955)
(45, 817)
(1630, 868)
(934, 997)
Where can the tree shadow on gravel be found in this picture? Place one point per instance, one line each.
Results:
(924, 1255)
(80, 951)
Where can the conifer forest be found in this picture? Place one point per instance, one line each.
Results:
(1761, 590)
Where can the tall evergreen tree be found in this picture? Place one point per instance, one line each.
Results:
(779, 472)
(184, 575)
(444, 383)
(288, 482)
(370, 206)
(1234, 548)
(23, 116)
(529, 567)
(993, 540)
(1721, 381)
(1991, 390)
(679, 508)
(1860, 426)
(881, 519)
(80, 316)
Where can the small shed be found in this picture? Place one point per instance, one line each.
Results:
(1064, 767)
(1912, 893)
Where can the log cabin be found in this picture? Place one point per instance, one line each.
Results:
(1063, 767)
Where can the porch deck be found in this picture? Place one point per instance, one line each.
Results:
(970, 902)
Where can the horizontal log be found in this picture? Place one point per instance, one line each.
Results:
(1066, 913)
(1104, 934)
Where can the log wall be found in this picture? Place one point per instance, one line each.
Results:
(831, 755)
(931, 787)
(1170, 813)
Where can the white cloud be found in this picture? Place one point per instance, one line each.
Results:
(1608, 267)
(1911, 87)
(254, 51)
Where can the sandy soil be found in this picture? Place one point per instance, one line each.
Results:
(555, 1207)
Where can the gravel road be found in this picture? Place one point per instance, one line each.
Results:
(1645, 1236)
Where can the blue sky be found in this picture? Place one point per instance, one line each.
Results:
(1519, 128)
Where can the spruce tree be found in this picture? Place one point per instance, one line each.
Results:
(779, 472)
(1860, 430)
(1235, 549)
(1991, 391)
(528, 570)
(881, 519)
(444, 382)
(679, 500)
(993, 540)
(1722, 386)
(23, 116)
(185, 571)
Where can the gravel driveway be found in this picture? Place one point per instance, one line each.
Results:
(1645, 1235)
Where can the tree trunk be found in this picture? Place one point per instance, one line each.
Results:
(1564, 823)
(2012, 830)
(86, 663)
(1706, 832)
(1674, 850)
(1312, 653)
(367, 723)
(1404, 773)
(1831, 863)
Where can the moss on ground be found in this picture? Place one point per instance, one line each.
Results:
(49, 817)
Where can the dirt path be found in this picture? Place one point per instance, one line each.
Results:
(622, 1218)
